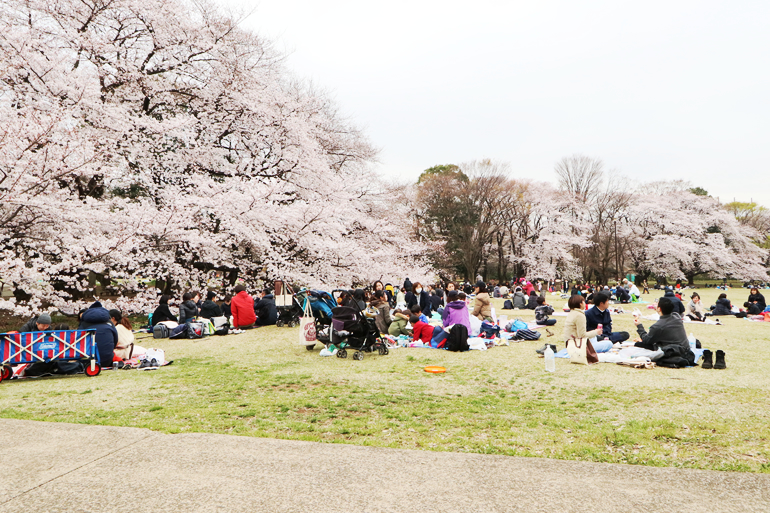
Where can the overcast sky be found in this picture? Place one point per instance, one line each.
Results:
(657, 89)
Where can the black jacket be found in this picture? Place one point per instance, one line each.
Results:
(754, 309)
(723, 307)
(623, 295)
(226, 310)
(266, 311)
(531, 302)
(30, 326)
(760, 300)
(210, 309)
(669, 330)
(163, 313)
(187, 310)
(678, 305)
(424, 301)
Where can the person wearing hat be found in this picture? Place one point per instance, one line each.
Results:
(209, 308)
(482, 305)
(41, 323)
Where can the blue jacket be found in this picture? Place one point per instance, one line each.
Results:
(594, 317)
(678, 306)
(98, 319)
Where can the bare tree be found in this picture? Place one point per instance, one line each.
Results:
(580, 176)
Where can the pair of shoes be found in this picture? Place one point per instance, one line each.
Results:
(542, 349)
(718, 364)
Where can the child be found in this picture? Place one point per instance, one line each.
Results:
(422, 330)
(542, 311)
(416, 310)
(398, 326)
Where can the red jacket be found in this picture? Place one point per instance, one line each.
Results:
(422, 331)
(242, 308)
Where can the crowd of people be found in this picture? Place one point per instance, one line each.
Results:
(408, 310)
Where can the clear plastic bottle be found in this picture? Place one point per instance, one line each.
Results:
(550, 359)
(692, 340)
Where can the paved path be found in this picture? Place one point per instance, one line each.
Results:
(68, 467)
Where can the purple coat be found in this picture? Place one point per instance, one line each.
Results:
(456, 312)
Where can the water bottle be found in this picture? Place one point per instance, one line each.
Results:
(691, 340)
(550, 359)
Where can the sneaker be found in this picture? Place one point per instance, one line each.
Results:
(720, 361)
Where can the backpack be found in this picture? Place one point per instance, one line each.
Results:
(516, 325)
(490, 330)
(196, 330)
(458, 338)
(508, 305)
(439, 338)
(160, 331)
(526, 334)
(179, 332)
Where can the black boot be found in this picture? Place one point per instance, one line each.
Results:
(707, 363)
(720, 363)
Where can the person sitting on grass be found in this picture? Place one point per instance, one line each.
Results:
(575, 323)
(265, 309)
(456, 311)
(482, 305)
(422, 330)
(98, 318)
(678, 305)
(519, 299)
(381, 304)
(188, 310)
(163, 313)
(40, 323)
(125, 346)
(400, 321)
(668, 335)
(599, 314)
(209, 308)
(752, 308)
(542, 311)
(722, 307)
(532, 300)
(415, 310)
(757, 298)
(695, 309)
(242, 308)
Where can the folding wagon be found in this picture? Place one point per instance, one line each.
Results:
(49, 346)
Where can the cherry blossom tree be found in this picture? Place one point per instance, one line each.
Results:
(158, 141)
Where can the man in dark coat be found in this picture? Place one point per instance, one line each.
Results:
(600, 315)
(265, 309)
(678, 305)
(41, 323)
(667, 335)
(209, 308)
(98, 318)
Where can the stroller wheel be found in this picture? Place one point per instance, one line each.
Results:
(292, 324)
(310, 348)
(358, 355)
(342, 353)
(279, 323)
(381, 350)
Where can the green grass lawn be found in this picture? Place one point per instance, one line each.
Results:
(498, 402)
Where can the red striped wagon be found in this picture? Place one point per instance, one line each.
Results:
(48, 346)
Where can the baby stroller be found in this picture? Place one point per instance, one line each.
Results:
(351, 329)
(321, 305)
(289, 311)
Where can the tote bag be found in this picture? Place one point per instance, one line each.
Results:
(307, 334)
(581, 351)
